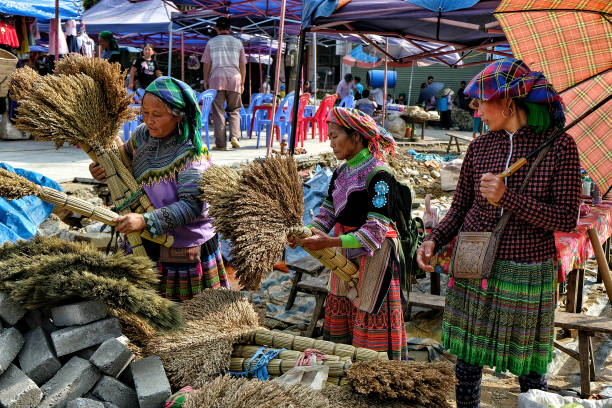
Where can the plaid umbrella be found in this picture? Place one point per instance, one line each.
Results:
(571, 42)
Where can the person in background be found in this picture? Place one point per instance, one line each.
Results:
(109, 46)
(225, 70)
(506, 321)
(430, 79)
(365, 104)
(379, 96)
(445, 106)
(462, 100)
(401, 99)
(359, 88)
(265, 87)
(144, 69)
(344, 87)
(307, 87)
(477, 126)
(421, 99)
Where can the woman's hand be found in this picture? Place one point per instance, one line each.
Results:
(424, 254)
(318, 240)
(492, 187)
(129, 223)
(97, 172)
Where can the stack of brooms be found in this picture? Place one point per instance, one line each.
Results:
(257, 210)
(84, 103)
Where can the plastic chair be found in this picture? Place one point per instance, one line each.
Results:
(319, 120)
(247, 114)
(140, 94)
(205, 100)
(348, 102)
(300, 133)
(282, 118)
(264, 98)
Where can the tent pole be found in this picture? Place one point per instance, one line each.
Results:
(384, 109)
(410, 86)
(183, 56)
(250, 74)
(296, 100)
(270, 49)
(279, 57)
(59, 27)
(314, 64)
(170, 51)
(260, 70)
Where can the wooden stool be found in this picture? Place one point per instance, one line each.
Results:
(319, 291)
(307, 265)
(456, 137)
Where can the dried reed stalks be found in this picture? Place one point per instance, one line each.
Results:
(227, 392)
(346, 397)
(215, 320)
(47, 271)
(13, 186)
(419, 383)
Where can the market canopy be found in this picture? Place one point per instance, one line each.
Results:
(125, 16)
(43, 10)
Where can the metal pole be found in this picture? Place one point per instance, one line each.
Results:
(296, 100)
(170, 51)
(57, 28)
(183, 56)
(270, 49)
(279, 56)
(250, 73)
(410, 86)
(314, 64)
(384, 109)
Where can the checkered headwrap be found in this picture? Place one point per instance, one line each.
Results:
(379, 139)
(178, 95)
(510, 78)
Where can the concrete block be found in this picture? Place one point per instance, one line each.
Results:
(73, 380)
(151, 383)
(37, 359)
(109, 405)
(17, 390)
(114, 391)
(77, 338)
(36, 318)
(84, 403)
(11, 342)
(86, 353)
(123, 339)
(10, 311)
(112, 357)
(78, 313)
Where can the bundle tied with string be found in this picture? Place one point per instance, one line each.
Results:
(257, 210)
(84, 103)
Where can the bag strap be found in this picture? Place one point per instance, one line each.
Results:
(504, 219)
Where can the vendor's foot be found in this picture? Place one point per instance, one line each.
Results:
(235, 143)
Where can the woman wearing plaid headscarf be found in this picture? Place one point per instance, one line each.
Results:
(506, 321)
(167, 160)
(357, 207)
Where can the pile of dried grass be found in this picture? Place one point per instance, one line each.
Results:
(255, 212)
(44, 272)
(227, 392)
(214, 321)
(345, 397)
(419, 383)
(13, 188)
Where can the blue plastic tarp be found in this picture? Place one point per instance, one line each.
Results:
(19, 219)
(443, 5)
(313, 9)
(42, 9)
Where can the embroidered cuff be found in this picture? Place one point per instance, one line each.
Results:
(153, 225)
(350, 241)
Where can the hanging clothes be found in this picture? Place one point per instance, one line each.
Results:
(22, 34)
(86, 45)
(70, 27)
(34, 30)
(8, 35)
(63, 46)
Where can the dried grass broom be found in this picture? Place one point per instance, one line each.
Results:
(84, 103)
(214, 321)
(419, 383)
(257, 210)
(227, 392)
(14, 186)
(45, 272)
(345, 397)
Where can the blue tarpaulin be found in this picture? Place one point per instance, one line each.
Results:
(42, 9)
(443, 5)
(313, 9)
(19, 219)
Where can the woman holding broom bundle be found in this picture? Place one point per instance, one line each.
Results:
(370, 314)
(505, 320)
(167, 160)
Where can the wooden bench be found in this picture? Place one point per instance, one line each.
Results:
(310, 266)
(307, 265)
(456, 137)
(586, 326)
(319, 291)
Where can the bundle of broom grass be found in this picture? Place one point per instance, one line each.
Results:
(45, 272)
(14, 186)
(84, 103)
(257, 210)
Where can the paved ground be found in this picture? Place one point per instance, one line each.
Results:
(68, 162)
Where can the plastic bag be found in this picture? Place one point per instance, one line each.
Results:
(313, 376)
(430, 217)
(543, 399)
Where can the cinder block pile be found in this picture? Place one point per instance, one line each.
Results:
(73, 356)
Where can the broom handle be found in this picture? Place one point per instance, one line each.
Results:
(330, 258)
(97, 213)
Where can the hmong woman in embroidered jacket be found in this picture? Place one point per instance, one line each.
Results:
(506, 321)
(167, 160)
(357, 208)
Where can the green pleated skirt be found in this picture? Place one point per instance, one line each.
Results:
(508, 326)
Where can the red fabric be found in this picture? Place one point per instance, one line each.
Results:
(391, 232)
(549, 203)
(8, 35)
